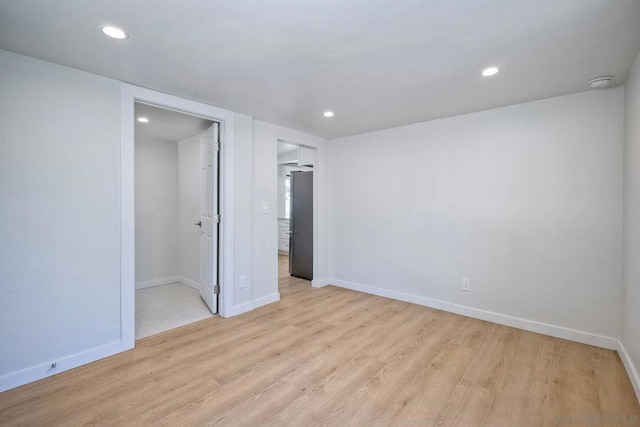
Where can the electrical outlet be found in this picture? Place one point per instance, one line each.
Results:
(466, 284)
(243, 282)
(265, 207)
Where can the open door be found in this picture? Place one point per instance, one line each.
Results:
(209, 149)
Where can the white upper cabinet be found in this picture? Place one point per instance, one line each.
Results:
(305, 156)
(301, 156)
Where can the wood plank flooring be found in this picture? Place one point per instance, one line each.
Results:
(338, 357)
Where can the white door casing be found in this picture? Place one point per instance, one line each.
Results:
(208, 216)
(129, 94)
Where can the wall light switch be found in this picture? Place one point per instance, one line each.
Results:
(265, 207)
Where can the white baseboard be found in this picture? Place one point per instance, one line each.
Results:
(190, 283)
(259, 302)
(318, 283)
(242, 308)
(631, 369)
(44, 370)
(489, 316)
(157, 282)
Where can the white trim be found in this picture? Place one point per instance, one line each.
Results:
(319, 172)
(226, 271)
(190, 283)
(489, 316)
(319, 283)
(129, 94)
(44, 370)
(157, 282)
(259, 302)
(630, 368)
(127, 220)
(243, 308)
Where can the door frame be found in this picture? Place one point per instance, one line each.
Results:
(318, 280)
(129, 94)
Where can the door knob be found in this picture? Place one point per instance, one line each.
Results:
(199, 224)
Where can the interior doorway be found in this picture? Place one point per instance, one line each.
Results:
(176, 218)
(296, 210)
(129, 94)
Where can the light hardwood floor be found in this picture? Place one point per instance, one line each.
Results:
(334, 356)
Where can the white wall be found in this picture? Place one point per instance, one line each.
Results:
(156, 186)
(59, 216)
(265, 189)
(243, 201)
(630, 331)
(525, 200)
(282, 192)
(189, 208)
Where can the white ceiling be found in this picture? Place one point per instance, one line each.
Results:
(376, 63)
(168, 125)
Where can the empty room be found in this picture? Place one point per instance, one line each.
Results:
(297, 213)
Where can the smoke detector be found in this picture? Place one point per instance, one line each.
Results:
(600, 82)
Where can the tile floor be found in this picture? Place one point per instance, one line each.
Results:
(165, 307)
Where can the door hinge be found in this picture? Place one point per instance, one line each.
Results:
(216, 289)
(216, 146)
(217, 218)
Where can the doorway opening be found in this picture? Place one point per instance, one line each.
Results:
(129, 94)
(176, 175)
(295, 211)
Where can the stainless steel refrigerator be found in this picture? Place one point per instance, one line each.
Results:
(301, 225)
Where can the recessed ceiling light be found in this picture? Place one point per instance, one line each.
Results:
(143, 120)
(490, 71)
(114, 32)
(328, 113)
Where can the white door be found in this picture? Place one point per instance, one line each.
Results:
(208, 214)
